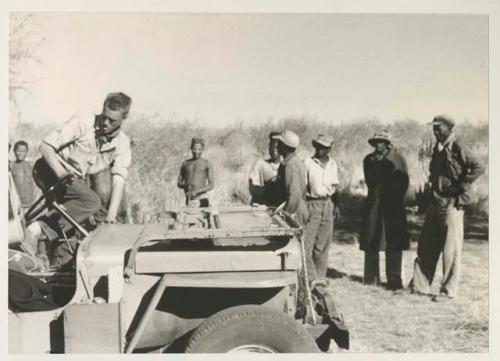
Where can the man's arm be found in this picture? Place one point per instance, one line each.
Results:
(49, 154)
(210, 177)
(119, 173)
(256, 189)
(368, 172)
(474, 168)
(181, 180)
(403, 175)
(117, 187)
(292, 185)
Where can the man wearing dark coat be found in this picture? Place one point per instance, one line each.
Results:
(385, 226)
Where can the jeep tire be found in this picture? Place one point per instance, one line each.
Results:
(251, 328)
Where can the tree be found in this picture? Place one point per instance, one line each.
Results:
(24, 43)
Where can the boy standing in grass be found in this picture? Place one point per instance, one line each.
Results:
(196, 176)
(22, 174)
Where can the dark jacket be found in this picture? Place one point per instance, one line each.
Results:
(384, 218)
(292, 187)
(452, 171)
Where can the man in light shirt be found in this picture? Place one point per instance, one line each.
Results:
(321, 182)
(263, 175)
(82, 146)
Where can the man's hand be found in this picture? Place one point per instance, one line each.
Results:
(110, 219)
(272, 179)
(455, 190)
(191, 193)
(336, 213)
(67, 177)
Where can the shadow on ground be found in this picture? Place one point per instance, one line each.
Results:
(334, 273)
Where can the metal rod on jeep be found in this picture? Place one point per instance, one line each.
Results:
(162, 284)
(60, 208)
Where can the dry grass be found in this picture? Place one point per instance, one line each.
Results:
(160, 146)
(385, 321)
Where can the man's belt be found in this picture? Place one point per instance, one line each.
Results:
(325, 198)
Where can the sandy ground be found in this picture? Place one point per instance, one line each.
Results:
(386, 321)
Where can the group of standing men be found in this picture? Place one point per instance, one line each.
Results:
(308, 189)
(305, 189)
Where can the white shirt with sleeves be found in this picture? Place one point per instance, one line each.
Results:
(321, 180)
(78, 140)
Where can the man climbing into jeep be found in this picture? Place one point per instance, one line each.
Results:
(82, 146)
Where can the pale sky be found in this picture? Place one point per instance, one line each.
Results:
(243, 67)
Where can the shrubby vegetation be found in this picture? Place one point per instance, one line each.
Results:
(160, 146)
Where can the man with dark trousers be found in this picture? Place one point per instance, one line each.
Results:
(385, 226)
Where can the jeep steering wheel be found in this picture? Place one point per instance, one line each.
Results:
(45, 200)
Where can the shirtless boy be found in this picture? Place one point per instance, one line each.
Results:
(196, 176)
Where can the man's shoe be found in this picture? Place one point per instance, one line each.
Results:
(29, 243)
(445, 292)
(44, 262)
(442, 297)
(413, 291)
(394, 286)
(375, 281)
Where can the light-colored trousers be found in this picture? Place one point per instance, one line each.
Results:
(317, 237)
(443, 232)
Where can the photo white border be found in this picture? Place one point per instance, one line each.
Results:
(491, 8)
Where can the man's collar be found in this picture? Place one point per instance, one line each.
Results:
(319, 162)
(448, 142)
(382, 155)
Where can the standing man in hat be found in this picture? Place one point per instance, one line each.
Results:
(452, 171)
(321, 183)
(291, 177)
(84, 145)
(385, 227)
(263, 176)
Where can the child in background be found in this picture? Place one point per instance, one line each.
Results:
(22, 174)
(196, 176)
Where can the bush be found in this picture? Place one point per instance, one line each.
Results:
(160, 146)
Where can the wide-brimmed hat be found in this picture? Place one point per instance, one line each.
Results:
(116, 106)
(323, 140)
(380, 136)
(288, 138)
(443, 119)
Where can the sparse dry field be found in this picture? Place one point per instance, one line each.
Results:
(386, 321)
